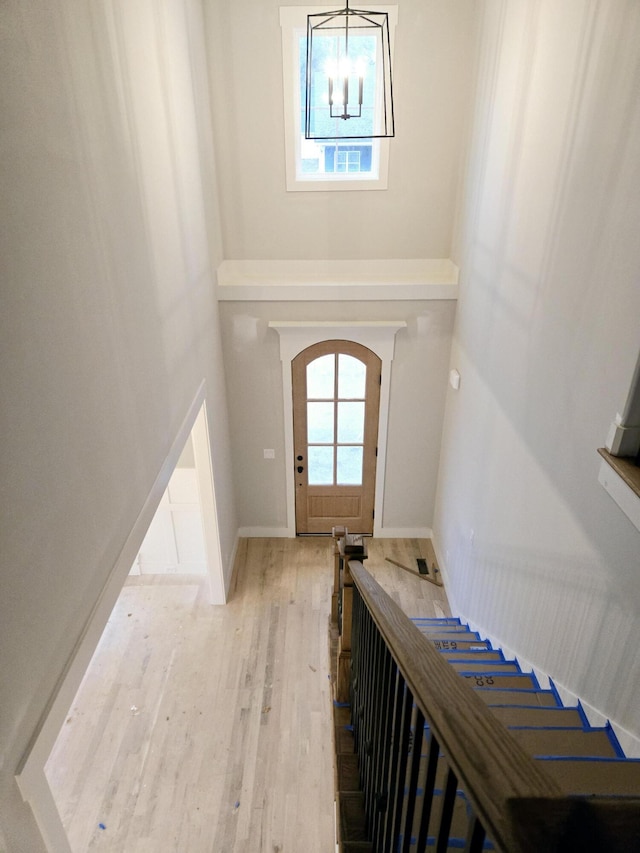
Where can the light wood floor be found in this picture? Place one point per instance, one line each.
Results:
(205, 729)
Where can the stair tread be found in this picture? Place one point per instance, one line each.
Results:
(569, 742)
(472, 655)
(351, 817)
(491, 666)
(348, 773)
(453, 637)
(520, 715)
(438, 620)
(464, 645)
(341, 715)
(518, 696)
(511, 680)
(595, 777)
(344, 742)
(427, 628)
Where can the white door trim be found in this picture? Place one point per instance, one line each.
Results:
(208, 511)
(378, 336)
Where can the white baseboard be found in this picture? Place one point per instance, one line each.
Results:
(264, 533)
(403, 533)
(629, 742)
(382, 533)
(230, 569)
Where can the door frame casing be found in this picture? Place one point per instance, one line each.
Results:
(295, 336)
(335, 492)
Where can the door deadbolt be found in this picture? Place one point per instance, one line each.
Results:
(300, 469)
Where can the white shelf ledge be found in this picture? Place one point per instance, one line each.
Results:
(319, 281)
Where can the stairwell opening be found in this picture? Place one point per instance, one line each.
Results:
(32, 778)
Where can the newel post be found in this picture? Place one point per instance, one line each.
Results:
(349, 547)
(337, 533)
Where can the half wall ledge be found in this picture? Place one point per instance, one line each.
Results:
(335, 281)
(621, 479)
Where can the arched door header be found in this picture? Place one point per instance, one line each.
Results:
(296, 336)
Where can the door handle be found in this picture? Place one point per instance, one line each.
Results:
(300, 469)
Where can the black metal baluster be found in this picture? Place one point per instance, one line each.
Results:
(360, 693)
(393, 756)
(414, 773)
(448, 803)
(371, 745)
(429, 787)
(359, 617)
(367, 686)
(475, 836)
(365, 709)
(386, 747)
(398, 776)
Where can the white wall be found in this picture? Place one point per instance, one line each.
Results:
(546, 341)
(417, 392)
(413, 218)
(108, 322)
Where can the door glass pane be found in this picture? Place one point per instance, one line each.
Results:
(320, 378)
(350, 422)
(320, 423)
(352, 374)
(349, 471)
(320, 461)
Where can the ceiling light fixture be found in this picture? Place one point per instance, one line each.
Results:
(349, 87)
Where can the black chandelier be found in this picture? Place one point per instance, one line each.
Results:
(349, 87)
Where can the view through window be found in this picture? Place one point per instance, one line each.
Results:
(335, 419)
(329, 156)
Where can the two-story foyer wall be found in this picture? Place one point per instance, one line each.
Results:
(417, 393)
(546, 341)
(109, 326)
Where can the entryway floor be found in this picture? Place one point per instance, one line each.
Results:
(208, 729)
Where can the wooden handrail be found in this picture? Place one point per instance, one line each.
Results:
(520, 806)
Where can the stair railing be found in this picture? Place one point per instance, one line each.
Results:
(420, 728)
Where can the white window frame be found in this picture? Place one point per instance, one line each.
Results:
(293, 23)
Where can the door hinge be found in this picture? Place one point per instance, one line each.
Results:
(373, 513)
(380, 379)
(376, 452)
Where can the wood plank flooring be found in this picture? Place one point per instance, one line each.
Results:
(206, 729)
(415, 596)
